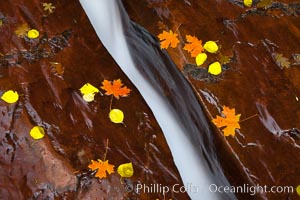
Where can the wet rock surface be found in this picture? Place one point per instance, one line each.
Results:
(47, 72)
(255, 81)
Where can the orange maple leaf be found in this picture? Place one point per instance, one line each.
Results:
(194, 45)
(115, 88)
(102, 167)
(168, 39)
(231, 121)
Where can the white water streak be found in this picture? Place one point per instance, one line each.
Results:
(105, 18)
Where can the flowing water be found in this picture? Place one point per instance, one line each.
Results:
(106, 20)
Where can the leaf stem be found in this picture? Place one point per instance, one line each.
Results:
(106, 148)
(248, 118)
(177, 28)
(111, 102)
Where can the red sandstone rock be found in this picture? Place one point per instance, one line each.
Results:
(56, 167)
(265, 150)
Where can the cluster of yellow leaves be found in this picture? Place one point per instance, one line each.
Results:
(115, 88)
(194, 47)
(231, 121)
(103, 167)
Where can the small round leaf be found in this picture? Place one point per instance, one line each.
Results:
(33, 33)
(10, 96)
(215, 68)
(116, 116)
(126, 170)
(211, 46)
(201, 58)
(248, 3)
(89, 97)
(37, 132)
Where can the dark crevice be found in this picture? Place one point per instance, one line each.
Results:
(45, 48)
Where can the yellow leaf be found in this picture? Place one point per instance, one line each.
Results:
(248, 3)
(116, 116)
(10, 96)
(215, 68)
(32, 34)
(37, 132)
(201, 58)
(89, 97)
(298, 190)
(126, 170)
(211, 46)
(88, 89)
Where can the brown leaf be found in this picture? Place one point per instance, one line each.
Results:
(296, 58)
(264, 3)
(22, 30)
(57, 68)
(48, 7)
(224, 59)
(281, 61)
(161, 25)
